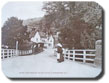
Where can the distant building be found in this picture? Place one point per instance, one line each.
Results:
(50, 42)
(56, 37)
(47, 40)
(36, 38)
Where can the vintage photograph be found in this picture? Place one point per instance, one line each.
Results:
(46, 39)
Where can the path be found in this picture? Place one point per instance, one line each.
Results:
(45, 65)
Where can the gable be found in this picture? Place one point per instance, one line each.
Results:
(51, 39)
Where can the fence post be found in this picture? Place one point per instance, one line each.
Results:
(64, 52)
(84, 56)
(16, 48)
(73, 55)
(11, 53)
(98, 57)
(2, 54)
(7, 53)
(69, 54)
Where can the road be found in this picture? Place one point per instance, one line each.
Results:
(45, 65)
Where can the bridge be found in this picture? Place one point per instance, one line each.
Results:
(45, 64)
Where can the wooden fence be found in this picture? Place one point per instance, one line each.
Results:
(83, 55)
(8, 53)
(24, 52)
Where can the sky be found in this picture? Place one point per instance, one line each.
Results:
(22, 10)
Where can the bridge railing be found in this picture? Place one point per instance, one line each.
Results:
(24, 52)
(8, 53)
(83, 55)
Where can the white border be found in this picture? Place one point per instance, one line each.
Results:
(105, 78)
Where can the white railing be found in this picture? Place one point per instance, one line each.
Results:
(84, 55)
(8, 53)
(24, 52)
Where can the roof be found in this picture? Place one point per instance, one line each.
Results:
(42, 35)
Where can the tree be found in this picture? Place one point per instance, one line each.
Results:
(70, 36)
(76, 21)
(13, 31)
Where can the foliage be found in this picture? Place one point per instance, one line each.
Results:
(13, 31)
(76, 22)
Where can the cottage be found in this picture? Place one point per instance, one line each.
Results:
(36, 38)
(50, 42)
(47, 40)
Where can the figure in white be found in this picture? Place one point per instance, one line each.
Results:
(60, 57)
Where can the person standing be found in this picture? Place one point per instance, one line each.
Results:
(60, 57)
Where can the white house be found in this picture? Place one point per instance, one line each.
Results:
(51, 41)
(36, 38)
(48, 41)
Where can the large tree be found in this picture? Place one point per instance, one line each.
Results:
(76, 22)
(13, 31)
